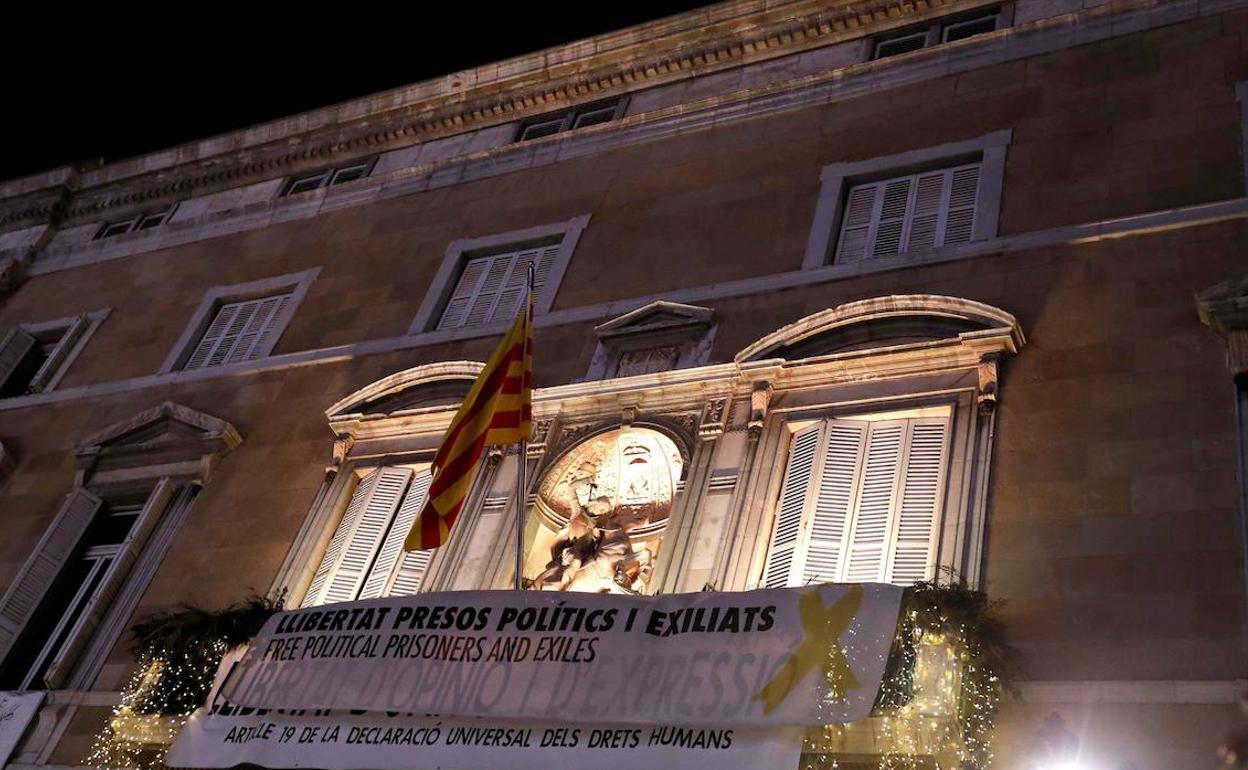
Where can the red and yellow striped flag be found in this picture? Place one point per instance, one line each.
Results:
(497, 410)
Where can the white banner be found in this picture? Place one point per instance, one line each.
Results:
(16, 711)
(801, 656)
(343, 741)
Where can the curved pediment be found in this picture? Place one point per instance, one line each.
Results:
(881, 322)
(428, 385)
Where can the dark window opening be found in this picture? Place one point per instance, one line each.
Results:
(61, 607)
(578, 117)
(329, 177)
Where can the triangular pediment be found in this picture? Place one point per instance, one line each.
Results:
(655, 316)
(163, 428)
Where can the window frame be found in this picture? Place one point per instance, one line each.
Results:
(570, 120)
(836, 180)
(935, 32)
(135, 224)
(295, 284)
(357, 476)
(960, 518)
(566, 234)
(76, 332)
(327, 177)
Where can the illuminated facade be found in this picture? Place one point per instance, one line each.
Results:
(880, 291)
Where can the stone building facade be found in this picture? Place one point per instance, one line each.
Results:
(877, 290)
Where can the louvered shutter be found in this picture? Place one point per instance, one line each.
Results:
(260, 329)
(102, 598)
(870, 528)
(838, 475)
(960, 210)
(782, 567)
(543, 267)
(921, 490)
(239, 331)
(910, 213)
(59, 353)
(17, 343)
(491, 289)
(496, 275)
(851, 246)
(512, 294)
(396, 573)
(465, 291)
(43, 565)
(213, 336)
(890, 222)
(354, 546)
(929, 192)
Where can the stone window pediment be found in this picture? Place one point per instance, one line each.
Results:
(657, 337)
(883, 322)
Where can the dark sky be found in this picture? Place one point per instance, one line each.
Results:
(113, 86)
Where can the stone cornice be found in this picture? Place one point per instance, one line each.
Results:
(720, 37)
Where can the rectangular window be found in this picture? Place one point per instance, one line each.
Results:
(860, 502)
(31, 357)
(943, 31)
(329, 177)
(239, 331)
(135, 224)
(365, 557)
(72, 577)
(909, 213)
(490, 288)
(579, 117)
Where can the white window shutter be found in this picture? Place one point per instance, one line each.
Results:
(782, 567)
(57, 358)
(96, 606)
(456, 312)
(909, 213)
(45, 563)
(17, 343)
(244, 313)
(272, 327)
(921, 490)
(838, 478)
(890, 222)
(491, 286)
(259, 328)
(963, 193)
(925, 221)
(512, 295)
(851, 245)
(359, 536)
(395, 572)
(872, 521)
(316, 591)
(545, 265)
(213, 336)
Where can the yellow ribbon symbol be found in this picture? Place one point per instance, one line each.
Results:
(821, 645)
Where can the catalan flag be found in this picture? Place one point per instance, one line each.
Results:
(497, 410)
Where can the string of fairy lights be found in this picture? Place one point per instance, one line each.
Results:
(155, 704)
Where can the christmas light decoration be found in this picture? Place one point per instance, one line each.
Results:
(948, 671)
(178, 654)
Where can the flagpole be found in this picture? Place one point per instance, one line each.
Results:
(522, 472)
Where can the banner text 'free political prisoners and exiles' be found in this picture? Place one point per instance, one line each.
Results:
(800, 656)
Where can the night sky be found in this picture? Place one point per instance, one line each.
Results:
(115, 86)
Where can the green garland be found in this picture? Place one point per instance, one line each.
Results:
(192, 639)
